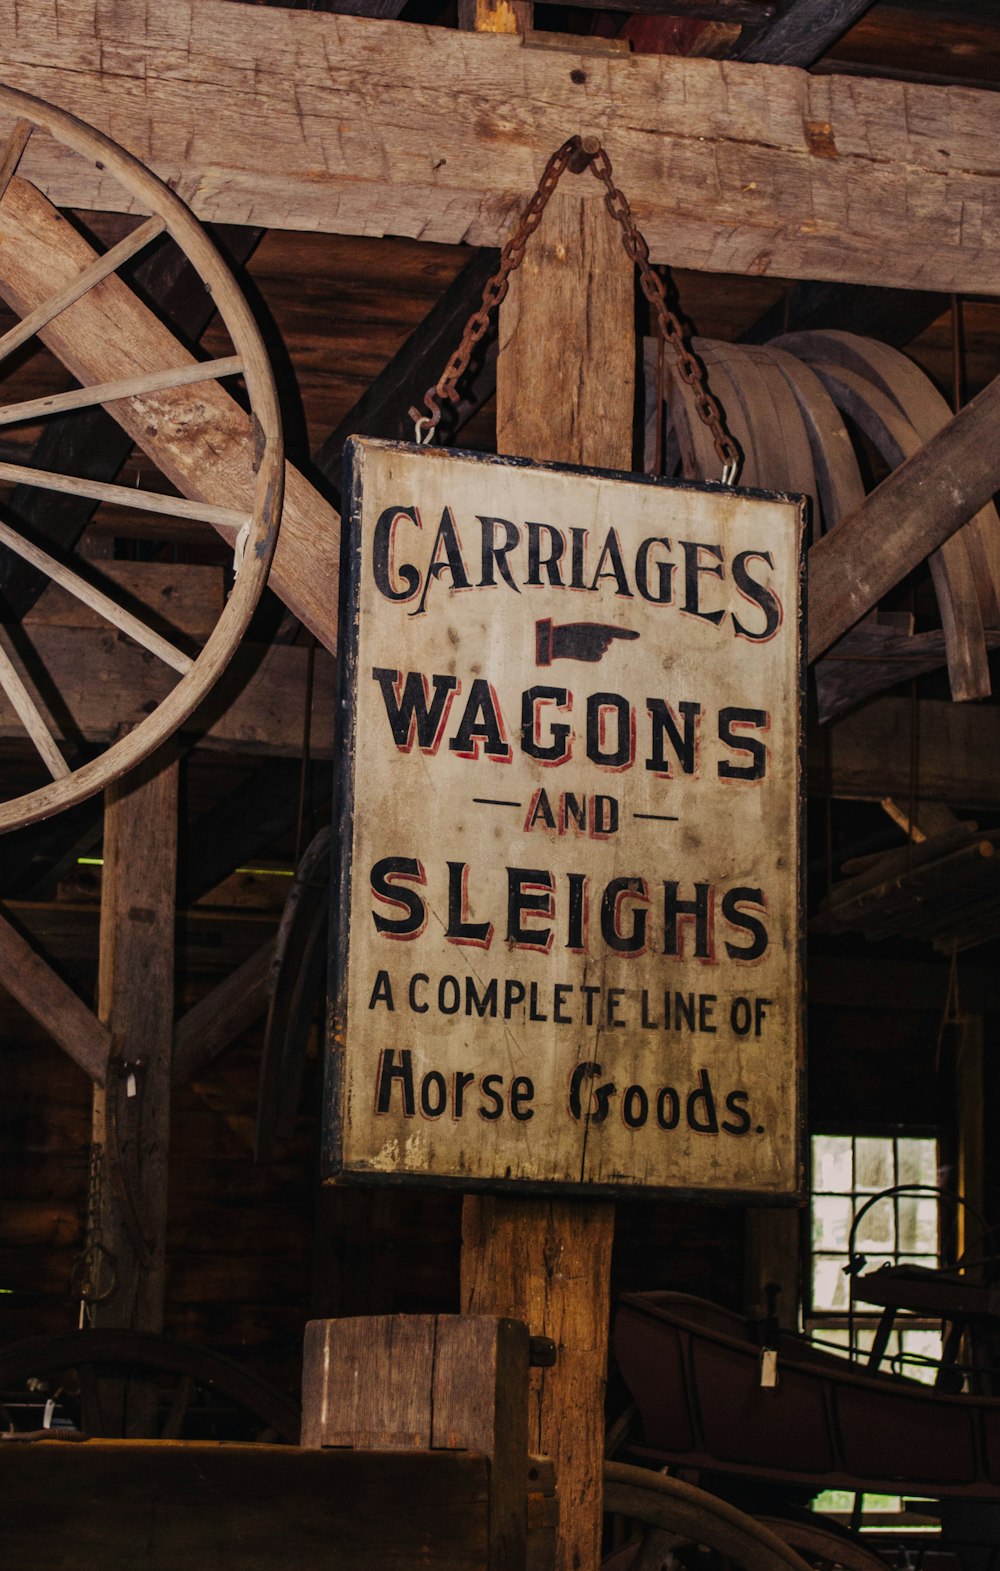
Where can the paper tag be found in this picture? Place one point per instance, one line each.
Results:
(50, 1408)
(768, 1367)
(130, 1084)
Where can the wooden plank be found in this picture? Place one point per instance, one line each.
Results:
(564, 391)
(739, 168)
(802, 31)
(29, 978)
(216, 1020)
(179, 597)
(958, 759)
(161, 1505)
(135, 1000)
(384, 409)
(89, 683)
(199, 437)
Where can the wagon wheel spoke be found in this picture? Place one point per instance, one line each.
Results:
(31, 718)
(96, 600)
(13, 153)
(84, 281)
(125, 496)
(207, 449)
(128, 387)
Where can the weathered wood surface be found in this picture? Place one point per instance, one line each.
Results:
(90, 683)
(29, 978)
(168, 1504)
(549, 1262)
(429, 1383)
(173, 597)
(198, 436)
(93, 444)
(870, 753)
(801, 32)
(919, 506)
(135, 1000)
(734, 168)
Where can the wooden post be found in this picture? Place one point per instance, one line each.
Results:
(565, 382)
(131, 1121)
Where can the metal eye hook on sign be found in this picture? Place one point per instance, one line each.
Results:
(576, 155)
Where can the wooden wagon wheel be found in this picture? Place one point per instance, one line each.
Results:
(251, 522)
(77, 1363)
(823, 1544)
(667, 1517)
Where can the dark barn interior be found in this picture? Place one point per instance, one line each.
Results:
(186, 905)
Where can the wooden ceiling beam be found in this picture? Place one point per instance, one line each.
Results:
(958, 753)
(216, 1020)
(29, 978)
(732, 167)
(801, 32)
(256, 708)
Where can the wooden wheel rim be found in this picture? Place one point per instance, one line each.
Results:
(265, 512)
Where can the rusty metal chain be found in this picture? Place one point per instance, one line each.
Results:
(95, 1257)
(577, 154)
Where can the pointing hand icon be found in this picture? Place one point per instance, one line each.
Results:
(575, 640)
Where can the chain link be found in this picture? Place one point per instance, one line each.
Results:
(95, 1258)
(579, 154)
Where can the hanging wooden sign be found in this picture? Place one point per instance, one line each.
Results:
(567, 950)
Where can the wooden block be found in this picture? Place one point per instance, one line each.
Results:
(446, 1382)
(367, 1383)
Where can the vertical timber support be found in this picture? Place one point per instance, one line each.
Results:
(131, 1119)
(565, 388)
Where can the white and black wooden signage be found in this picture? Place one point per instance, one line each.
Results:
(567, 939)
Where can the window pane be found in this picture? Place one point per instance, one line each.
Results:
(873, 1165)
(923, 1354)
(832, 1165)
(917, 1161)
(829, 1282)
(877, 1228)
(918, 1224)
(831, 1221)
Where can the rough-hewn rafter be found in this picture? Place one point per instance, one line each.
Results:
(801, 32)
(314, 121)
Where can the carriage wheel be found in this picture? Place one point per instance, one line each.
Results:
(251, 520)
(668, 1523)
(824, 1544)
(78, 1365)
